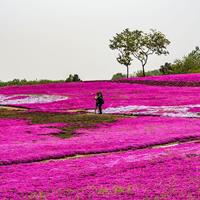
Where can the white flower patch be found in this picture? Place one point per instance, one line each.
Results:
(123, 109)
(29, 98)
(170, 111)
(134, 158)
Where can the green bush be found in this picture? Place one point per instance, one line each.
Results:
(73, 78)
(148, 73)
(166, 68)
(118, 76)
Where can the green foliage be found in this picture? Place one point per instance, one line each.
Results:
(188, 64)
(118, 75)
(149, 73)
(166, 68)
(25, 82)
(139, 45)
(76, 78)
(121, 43)
(73, 78)
(70, 78)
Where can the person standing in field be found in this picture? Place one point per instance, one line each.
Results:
(99, 102)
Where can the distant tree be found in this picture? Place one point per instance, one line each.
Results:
(70, 78)
(166, 68)
(15, 81)
(121, 43)
(73, 78)
(140, 45)
(76, 78)
(118, 75)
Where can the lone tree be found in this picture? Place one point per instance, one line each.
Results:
(140, 45)
(121, 43)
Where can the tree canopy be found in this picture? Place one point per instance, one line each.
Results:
(139, 45)
(121, 43)
(73, 78)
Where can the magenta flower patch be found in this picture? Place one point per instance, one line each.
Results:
(24, 142)
(153, 155)
(72, 96)
(170, 173)
(172, 77)
(191, 80)
(19, 139)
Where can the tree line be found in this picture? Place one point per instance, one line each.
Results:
(189, 63)
(70, 78)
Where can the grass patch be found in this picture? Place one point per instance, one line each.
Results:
(73, 121)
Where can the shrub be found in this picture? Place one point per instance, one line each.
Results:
(149, 73)
(118, 76)
(73, 78)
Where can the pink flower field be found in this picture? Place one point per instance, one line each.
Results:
(167, 80)
(173, 78)
(169, 173)
(63, 97)
(146, 145)
(38, 142)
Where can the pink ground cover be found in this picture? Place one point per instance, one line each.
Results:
(81, 95)
(164, 173)
(197, 110)
(170, 173)
(17, 136)
(180, 80)
(172, 77)
(22, 142)
(19, 131)
(17, 97)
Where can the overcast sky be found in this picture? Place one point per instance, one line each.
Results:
(50, 39)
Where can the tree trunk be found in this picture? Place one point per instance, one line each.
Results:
(143, 70)
(127, 71)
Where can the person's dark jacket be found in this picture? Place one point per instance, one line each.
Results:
(100, 100)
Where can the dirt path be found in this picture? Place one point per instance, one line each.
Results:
(13, 108)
